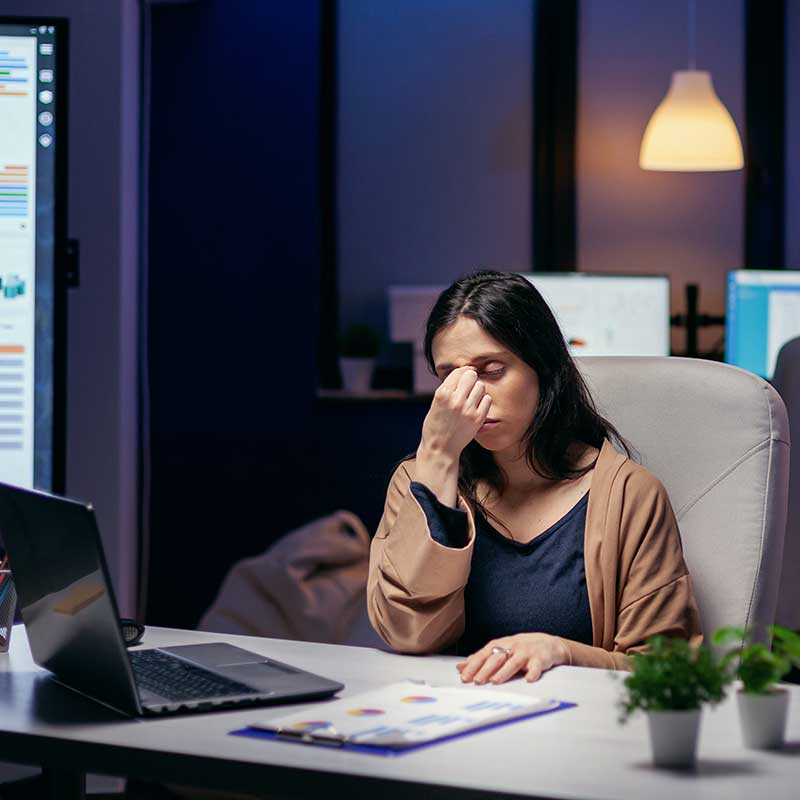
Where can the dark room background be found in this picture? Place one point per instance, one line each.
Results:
(417, 169)
(242, 451)
(435, 120)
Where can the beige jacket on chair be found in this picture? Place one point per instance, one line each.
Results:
(308, 586)
(636, 577)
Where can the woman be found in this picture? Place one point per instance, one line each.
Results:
(517, 534)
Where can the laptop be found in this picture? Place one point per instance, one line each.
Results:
(70, 613)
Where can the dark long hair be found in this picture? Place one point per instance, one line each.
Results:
(510, 309)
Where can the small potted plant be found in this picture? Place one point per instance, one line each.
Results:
(358, 347)
(670, 682)
(763, 706)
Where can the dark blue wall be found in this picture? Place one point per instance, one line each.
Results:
(792, 177)
(234, 216)
(242, 451)
(435, 144)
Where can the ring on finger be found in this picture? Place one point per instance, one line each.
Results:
(506, 651)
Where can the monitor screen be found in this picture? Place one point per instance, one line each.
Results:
(608, 315)
(32, 223)
(599, 315)
(763, 313)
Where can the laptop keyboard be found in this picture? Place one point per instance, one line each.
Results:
(175, 679)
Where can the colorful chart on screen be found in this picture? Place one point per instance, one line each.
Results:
(30, 84)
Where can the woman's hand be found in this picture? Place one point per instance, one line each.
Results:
(460, 406)
(531, 653)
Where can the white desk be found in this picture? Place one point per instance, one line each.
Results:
(577, 753)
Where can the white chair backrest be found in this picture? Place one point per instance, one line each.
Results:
(718, 439)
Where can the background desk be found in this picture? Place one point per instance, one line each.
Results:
(578, 753)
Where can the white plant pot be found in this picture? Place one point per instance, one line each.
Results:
(356, 374)
(673, 737)
(763, 718)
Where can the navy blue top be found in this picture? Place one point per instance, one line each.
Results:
(515, 587)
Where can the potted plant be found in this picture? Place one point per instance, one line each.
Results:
(358, 347)
(763, 706)
(670, 682)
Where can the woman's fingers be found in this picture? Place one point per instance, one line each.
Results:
(475, 396)
(465, 384)
(447, 388)
(453, 379)
(530, 653)
(535, 669)
(514, 664)
(473, 664)
(450, 425)
(484, 407)
(490, 666)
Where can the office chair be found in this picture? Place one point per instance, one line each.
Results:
(787, 382)
(718, 439)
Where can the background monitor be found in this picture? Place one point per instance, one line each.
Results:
(599, 315)
(763, 313)
(33, 85)
(609, 315)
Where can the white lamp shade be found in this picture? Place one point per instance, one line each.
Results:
(691, 130)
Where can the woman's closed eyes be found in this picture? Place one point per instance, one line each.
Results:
(491, 373)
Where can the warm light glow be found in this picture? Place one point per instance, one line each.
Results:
(691, 130)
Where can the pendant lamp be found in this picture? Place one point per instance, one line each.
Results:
(691, 130)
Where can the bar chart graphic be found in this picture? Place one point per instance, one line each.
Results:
(12, 396)
(18, 65)
(15, 74)
(21, 72)
(14, 190)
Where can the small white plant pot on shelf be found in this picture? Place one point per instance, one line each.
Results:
(763, 718)
(356, 374)
(673, 737)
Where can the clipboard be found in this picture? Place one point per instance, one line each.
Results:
(402, 717)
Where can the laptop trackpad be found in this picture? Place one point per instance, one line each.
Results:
(262, 675)
(235, 663)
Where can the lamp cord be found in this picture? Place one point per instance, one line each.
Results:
(692, 29)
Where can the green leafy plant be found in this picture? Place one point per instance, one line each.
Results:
(671, 675)
(759, 667)
(359, 341)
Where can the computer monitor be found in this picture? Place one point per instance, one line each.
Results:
(599, 315)
(763, 313)
(608, 315)
(33, 125)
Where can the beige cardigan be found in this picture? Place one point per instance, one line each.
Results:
(636, 578)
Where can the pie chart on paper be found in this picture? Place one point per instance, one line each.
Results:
(314, 725)
(366, 712)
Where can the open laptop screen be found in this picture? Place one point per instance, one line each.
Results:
(64, 594)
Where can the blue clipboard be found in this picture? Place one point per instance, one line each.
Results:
(375, 750)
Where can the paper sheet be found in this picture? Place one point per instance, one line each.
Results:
(406, 714)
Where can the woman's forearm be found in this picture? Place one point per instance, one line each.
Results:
(438, 470)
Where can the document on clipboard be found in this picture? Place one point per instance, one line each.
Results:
(402, 716)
